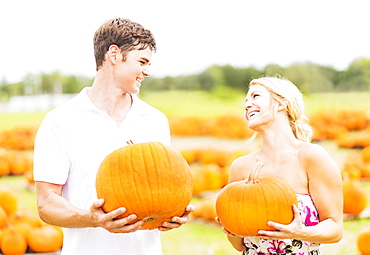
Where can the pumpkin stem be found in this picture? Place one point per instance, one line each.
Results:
(130, 142)
(253, 175)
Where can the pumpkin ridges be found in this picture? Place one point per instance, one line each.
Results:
(130, 185)
(136, 178)
(151, 218)
(150, 207)
(114, 168)
(271, 213)
(288, 199)
(154, 180)
(237, 207)
(220, 201)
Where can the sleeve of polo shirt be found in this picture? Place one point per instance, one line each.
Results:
(51, 162)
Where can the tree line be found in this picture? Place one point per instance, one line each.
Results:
(309, 77)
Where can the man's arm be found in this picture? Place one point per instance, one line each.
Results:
(56, 210)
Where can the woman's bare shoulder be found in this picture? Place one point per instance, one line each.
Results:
(241, 166)
(312, 151)
(316, 158)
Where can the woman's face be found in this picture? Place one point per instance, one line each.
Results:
(258, 107)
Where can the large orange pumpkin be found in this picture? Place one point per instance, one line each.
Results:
(151, 180)
(244, 207)
(363, 241)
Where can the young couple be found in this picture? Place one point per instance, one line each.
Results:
(75, 137)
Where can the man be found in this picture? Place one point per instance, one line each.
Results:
(74, 138)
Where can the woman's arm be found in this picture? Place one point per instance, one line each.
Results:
(325, 188)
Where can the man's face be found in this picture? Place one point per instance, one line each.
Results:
(131, 72)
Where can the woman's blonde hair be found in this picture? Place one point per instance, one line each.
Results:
(285, 92)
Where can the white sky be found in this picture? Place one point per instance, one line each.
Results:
(46, 36)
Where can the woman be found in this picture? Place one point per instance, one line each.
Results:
(274, 109)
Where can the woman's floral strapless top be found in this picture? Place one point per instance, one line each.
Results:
(259, 246)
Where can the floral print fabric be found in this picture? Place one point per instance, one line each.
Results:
(259, 246)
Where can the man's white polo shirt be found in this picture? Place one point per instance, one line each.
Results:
(71, 142)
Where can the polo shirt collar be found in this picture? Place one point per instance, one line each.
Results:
(85, 104)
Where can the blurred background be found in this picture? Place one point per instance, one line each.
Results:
(207, 52)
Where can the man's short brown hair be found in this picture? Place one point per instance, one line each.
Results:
(124, 33)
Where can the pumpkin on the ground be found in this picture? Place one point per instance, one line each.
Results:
(3, 217)
(8, 199)
(4, 162)
(13, 243)
(46, 238)
(363, 241)
(151, 180)
(354, 197)
(206, 207)
(244, 207)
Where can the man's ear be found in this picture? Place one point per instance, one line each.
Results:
(113, 52)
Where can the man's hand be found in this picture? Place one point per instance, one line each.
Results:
(111, 222)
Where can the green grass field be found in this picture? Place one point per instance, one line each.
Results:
(197, 237)
(200, 103)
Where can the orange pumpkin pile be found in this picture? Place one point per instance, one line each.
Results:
(244, 207)
(210, 167)
(357, 164)
(233, 126)
(208, 177)
(332, 123)
(358, 139)
(15, 162)
(206, 207)
(21, 230)
(18, 138)
(349, 128)
(151, 180)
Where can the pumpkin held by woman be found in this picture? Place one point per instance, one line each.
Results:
(151, 180)
(244, 207)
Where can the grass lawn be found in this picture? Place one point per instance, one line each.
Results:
(204, 104)
(200, 103)
(9, 120)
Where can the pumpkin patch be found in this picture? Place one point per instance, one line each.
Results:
(349, 129)
(22, 230)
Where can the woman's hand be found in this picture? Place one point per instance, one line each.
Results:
(224, 229)
(178, 221)
(110, 221)
(294, 230)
